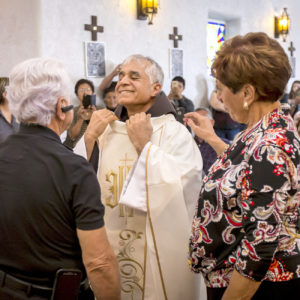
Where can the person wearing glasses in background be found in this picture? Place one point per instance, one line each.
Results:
(82, 114)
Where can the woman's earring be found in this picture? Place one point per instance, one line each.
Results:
(245, 106)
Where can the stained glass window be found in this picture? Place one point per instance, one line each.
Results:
(215, 38)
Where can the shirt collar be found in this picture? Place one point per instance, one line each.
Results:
(161, 106)
(40, 130)
(13, 119)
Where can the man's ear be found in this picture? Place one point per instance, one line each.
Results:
(59, 113)
(249, 93)
(156, 88)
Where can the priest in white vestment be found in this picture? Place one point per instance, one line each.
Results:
(150, 175)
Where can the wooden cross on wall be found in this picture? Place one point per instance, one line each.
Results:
(94, 28)
(291, 48)
(175, 37)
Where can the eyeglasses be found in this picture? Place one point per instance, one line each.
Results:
(84, 90)
(67, 108)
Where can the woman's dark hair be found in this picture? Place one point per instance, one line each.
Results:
(292, 93)
(111, 88)
(4, 81)
(179, 79)
(82, 81)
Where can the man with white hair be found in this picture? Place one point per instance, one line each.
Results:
(51, 218)
(148, 216)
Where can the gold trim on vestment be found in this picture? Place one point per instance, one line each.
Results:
(151, 226)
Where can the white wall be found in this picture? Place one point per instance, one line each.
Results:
(293, 9)
(19, 33)
(61, 32)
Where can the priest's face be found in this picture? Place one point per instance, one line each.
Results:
(134, 89)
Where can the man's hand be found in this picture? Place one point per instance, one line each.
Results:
(139, 130)
(116, 70)
(99, 121)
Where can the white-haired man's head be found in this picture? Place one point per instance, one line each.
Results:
(204, 112)
(35, 86)
(153, 70)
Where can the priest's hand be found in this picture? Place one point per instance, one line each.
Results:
(99, 121)
(139, 130)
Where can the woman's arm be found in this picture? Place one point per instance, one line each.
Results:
(240, 287)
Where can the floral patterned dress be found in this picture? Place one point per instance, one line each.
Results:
(247, 215)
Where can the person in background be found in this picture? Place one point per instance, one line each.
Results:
(82, 115)
(51, 216)
(284, 98)
(208, 154)
(292, 94)
(8, 123)
(224, 126)
(297, 121)
(109, 97)
(245, 234)
(181, 103)
(107, 81)
(295, 105)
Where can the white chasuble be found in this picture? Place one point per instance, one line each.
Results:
(149, 232)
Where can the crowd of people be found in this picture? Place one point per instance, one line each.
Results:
(159, 176)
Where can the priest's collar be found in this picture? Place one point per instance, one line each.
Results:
(161, 106)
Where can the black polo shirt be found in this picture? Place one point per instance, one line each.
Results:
(46, 192)
(7, 128)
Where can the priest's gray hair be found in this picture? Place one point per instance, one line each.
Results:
(35, 86)
(154, 70)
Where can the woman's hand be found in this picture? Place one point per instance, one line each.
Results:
(203, 128)
(86, 113)
(201, 125)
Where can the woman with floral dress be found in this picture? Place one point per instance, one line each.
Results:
(245, 234)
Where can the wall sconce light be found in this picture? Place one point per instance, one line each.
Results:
(282, 25)
(146, 9)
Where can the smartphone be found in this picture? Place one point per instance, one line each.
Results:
(66, 284)
(88, 100)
